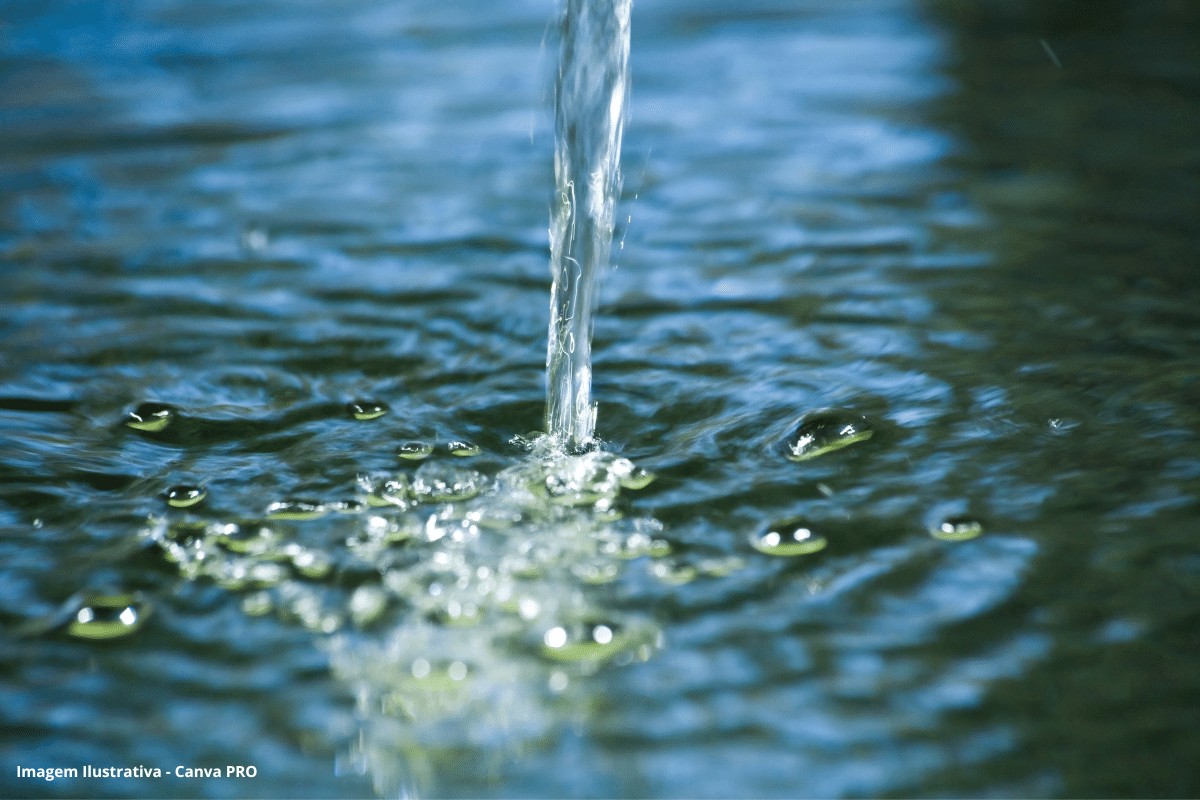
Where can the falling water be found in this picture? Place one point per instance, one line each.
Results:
(589, 109)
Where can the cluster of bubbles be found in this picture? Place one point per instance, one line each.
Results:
(450, 597)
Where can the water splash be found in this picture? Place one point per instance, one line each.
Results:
(590, 97)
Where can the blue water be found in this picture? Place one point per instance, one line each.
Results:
(904, 212)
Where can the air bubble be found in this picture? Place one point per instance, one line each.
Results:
(345, 507)
(109, 616)
(184, 496)
(957, 529)
(296, 510)
(152, 417)
(672, 573)
(366, 409)
(367, 604)
(826, 431)
(790, 538)
(414, 451)
(463, 449)
(585, 641)
(442, 483)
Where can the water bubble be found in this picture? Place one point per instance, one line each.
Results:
(630, 476)
(789, 538)
(295, 510)
(367, 604)
(442, 483)
(392, 492)
(826, 431)
(152, 417)
(309, 563)
(257, 604)
(243, 539)
(345, 507)
(184, 496)
(366, 409)
(415, 451)
(109, 616)
(585, 641)
(463, 449)
(595, 571)
(957, 529)
(673, 573)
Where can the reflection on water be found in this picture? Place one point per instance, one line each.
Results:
(274, 317)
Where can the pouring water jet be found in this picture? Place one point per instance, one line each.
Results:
(590, 98)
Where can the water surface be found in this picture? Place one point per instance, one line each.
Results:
(905, 213)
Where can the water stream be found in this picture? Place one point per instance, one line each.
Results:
(590, 97)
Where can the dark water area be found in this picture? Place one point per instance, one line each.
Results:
(970, 229)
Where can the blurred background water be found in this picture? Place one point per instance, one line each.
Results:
(973, 224)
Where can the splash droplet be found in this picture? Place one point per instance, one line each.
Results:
(957, 529)
(826, 431)
(414, 451)
(109, 616)
(789, 538)
(366, 409)
(152, 417)
(184, 496)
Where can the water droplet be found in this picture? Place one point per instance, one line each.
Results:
(463, 449)
(957, 529)
(345, 506)
(184, 496)
(366, 409)
(415, 451)
(109, 616)
(790, 538)
(826, 431)
(295, 510)
(152, 417)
